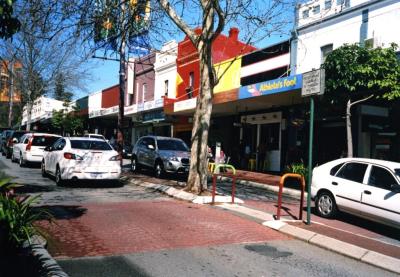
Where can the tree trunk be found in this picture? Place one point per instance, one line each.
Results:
(29, 115)
(348, 130)
(197, 181)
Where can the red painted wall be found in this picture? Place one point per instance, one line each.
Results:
(110, 97)
(224, 48)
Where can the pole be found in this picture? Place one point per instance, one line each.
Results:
(122, 84)
(310, 147)
(11, 94)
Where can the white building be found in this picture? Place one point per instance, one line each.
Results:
(325, 25)
(42, 109)
(165, 71)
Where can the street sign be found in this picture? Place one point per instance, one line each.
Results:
(313, 83)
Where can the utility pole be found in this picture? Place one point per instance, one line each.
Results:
(122, 82)
(10, 93)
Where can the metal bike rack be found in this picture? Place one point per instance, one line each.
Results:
(231, 175)
(281, 183)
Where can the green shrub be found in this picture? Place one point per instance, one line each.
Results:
(17, 216)
(298, 168)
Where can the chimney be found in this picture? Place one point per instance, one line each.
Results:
(234, 33)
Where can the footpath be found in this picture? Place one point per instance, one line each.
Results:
(255, 199)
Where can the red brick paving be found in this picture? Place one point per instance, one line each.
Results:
(120, 228)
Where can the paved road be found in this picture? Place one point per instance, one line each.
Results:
(110, 230)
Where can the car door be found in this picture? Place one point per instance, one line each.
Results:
(17, 148)
(379, 199)
(50, 158)
(347, 186)
(139, 150)
(151, 152)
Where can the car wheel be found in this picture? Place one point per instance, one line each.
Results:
(159, 169)
(59, 180)
(21, 160)
(43, 169)
(134, 165)
(325, 205)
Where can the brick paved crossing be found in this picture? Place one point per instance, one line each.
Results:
(121, 228)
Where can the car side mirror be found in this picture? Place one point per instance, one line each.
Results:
(395, 188)
(150, 146)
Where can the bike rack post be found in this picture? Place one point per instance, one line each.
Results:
(232, 175)
(281, 183)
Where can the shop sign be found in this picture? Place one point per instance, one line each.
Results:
(130, 109)
(313, 83)
(185, 105)
(153, 116)
(95, 113)
(159, 103)
(271, 87)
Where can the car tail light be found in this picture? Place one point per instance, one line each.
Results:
(115, 158)
(28, 146)
(71, 156)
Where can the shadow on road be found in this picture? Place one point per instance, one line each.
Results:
(64, 211)
(25, 188)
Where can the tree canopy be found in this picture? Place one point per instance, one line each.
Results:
(9, 25)
(355, 72)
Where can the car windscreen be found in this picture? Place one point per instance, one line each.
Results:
(171, 144)
(43, 140)
(90, 145)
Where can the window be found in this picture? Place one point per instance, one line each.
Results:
(316, 9)
(347, 3)
(306, 13)
(191, 79)
(381, 178)
(339, 2)
(144, 92)
(353, 172)
(335, 169)
(166, 87)
(43, 140)
(90, 145)
(325, 50)
(328, 4)
(59, 144)
(171, 144)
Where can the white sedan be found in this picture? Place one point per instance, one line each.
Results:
(76, 158)
(29, 148)
(364, 187)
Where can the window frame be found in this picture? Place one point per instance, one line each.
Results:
(383, 168)
(351, 180)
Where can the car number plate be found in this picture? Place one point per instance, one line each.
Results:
(96, 175)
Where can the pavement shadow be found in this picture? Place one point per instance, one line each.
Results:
(64, 211)
(93, 184)
(26, 188)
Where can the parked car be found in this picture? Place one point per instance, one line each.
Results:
(77, 158)
(11, 138)
(3, 140)
(162, 154)
(30, 146)
(97, 136)
(367, 188)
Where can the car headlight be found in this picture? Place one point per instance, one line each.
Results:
(173, 159)
(115, 158)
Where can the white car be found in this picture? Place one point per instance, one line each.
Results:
(29, 148)
(364, 187)
(98, 136)
(76, 158)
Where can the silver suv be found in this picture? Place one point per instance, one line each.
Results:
(162, 154)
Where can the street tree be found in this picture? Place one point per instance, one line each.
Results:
(44, 46)
(355, 74)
